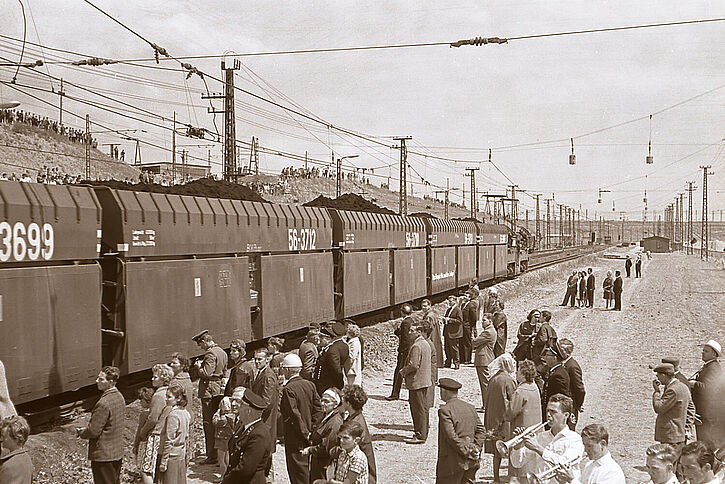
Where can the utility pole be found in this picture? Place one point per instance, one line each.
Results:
(561, 225)
(229, 169)
(548, 223)
(61, 93)
(472, 174)
(446, 199)
(88, 147)
(690, 230)
(705, 238)
(137, 155)
(403, 208)
(254, 157)
(621, 214)
(682, 220)
(173, 151)
(514, 207)
(538, 223)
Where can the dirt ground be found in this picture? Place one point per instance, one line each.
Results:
(676, 305)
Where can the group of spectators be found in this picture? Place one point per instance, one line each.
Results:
(12, 116)
(47, 174)
(358, 174)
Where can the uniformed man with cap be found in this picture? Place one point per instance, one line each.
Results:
(669, 400)
(703, 386)
(249, 448)
(690, 422)
(460, 437)
(330, 370)
(211, 371)
(556, 378)
(301, 411)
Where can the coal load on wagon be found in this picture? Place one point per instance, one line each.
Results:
(349, 201)
(203, 187)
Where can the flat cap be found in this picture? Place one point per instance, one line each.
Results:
(671, 360)
(336, 329)
(449, 384)
(253, 400)
(198, 336)
(665, 368)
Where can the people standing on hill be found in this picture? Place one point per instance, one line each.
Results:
(405, 341)
(608, 289)
(617, 288)
(628, 265)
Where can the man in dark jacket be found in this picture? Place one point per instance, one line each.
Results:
(469, 309)
(590, 288)
(571, 285)
(249, 447)
(405, 341)
(556, 378)
(330, 371)
(301, 411)
(703, 386)
(576, 381)
(452, 332)
(460, 437)
(436, 335)
(105, 429)
(211, 371)
(266, 386)
(500, 322)
(628, 266)
(618, 287)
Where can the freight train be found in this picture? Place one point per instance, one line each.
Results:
(92, 276)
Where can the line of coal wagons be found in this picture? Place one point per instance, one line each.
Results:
(92, 276)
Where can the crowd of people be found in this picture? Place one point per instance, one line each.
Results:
(13, 116)
(312, 399)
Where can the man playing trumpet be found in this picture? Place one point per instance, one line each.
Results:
(558, 446)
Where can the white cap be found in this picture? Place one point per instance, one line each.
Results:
(715, 346)
(291, 361)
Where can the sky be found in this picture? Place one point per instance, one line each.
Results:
(454, 102)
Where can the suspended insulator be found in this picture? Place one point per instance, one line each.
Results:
(572, 156)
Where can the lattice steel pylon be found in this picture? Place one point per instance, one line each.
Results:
(705, 242)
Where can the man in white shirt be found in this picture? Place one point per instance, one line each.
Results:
(599, 468)
(661, 459)
(558, 446)
(697, 460)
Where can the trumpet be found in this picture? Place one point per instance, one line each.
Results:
(504, 448)
(550, 473)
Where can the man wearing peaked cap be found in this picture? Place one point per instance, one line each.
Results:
(330, 371)
(691, 413)
(460, 437)
(301, 410)
(249, 447)
(703, 386)
(211, 371)
(670, 400)
(556, 378)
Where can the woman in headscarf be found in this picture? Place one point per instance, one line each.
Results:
(324, 435)
(523, 409)
(498, 397)
(161, 375)
(608, 286)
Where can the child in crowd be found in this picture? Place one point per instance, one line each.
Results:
(139, 444)
(351, 466)
(223, 429)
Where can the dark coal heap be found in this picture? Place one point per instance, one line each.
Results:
(203, 187)
(348, 201)
(421, 215)
(466, 219)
